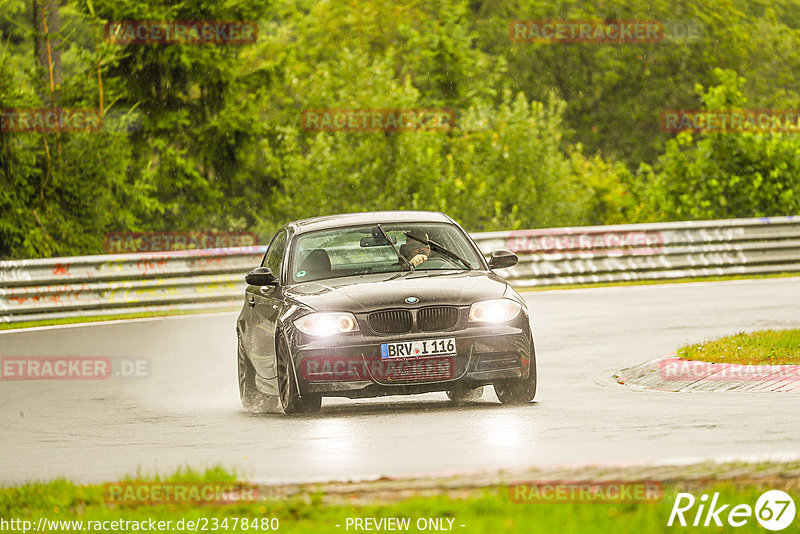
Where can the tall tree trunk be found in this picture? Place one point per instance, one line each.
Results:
(47, 46)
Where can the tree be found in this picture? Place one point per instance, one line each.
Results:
(725, 175)
(47, 46)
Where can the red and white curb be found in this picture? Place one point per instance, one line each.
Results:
(670, 373)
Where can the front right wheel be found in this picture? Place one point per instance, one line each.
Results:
(252, 399)
(518, 390)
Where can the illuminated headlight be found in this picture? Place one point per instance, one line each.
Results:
(326, 324)
(494, 311)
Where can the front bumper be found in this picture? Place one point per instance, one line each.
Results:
(351, 365)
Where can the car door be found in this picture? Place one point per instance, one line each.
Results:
(265, 307)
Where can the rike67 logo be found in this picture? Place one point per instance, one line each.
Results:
(774, 511)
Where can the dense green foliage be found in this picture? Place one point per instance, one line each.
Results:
(205, 137)
(727, 175)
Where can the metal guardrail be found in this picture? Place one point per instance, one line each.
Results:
(659, 251)
(124, 283)
(214, 278)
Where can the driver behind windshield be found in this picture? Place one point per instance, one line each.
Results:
(416, 248)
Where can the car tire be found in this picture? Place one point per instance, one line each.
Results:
(253, 400)
(465, 395)
(290, 399)
(518, 390)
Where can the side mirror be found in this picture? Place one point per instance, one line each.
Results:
(502, 258)
(261, 276)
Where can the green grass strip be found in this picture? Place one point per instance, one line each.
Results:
(490, 510)
(660, 282)
(101, 318)
(765, 347)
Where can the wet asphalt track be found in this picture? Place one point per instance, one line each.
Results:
(188, 413)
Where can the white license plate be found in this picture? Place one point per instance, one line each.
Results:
(414, 349)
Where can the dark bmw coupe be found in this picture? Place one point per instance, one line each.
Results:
(382, 303)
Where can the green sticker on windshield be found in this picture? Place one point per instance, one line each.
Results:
(301, 274)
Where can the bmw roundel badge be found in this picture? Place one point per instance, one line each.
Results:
(412, 300)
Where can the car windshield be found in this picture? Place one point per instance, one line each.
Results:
(364, 250)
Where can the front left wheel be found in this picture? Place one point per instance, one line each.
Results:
(460, 395)
(291, 400)
(518, 390)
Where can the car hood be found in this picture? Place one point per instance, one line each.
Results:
(371, 292)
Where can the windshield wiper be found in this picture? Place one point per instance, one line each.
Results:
(402, 258)
(436, 246)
